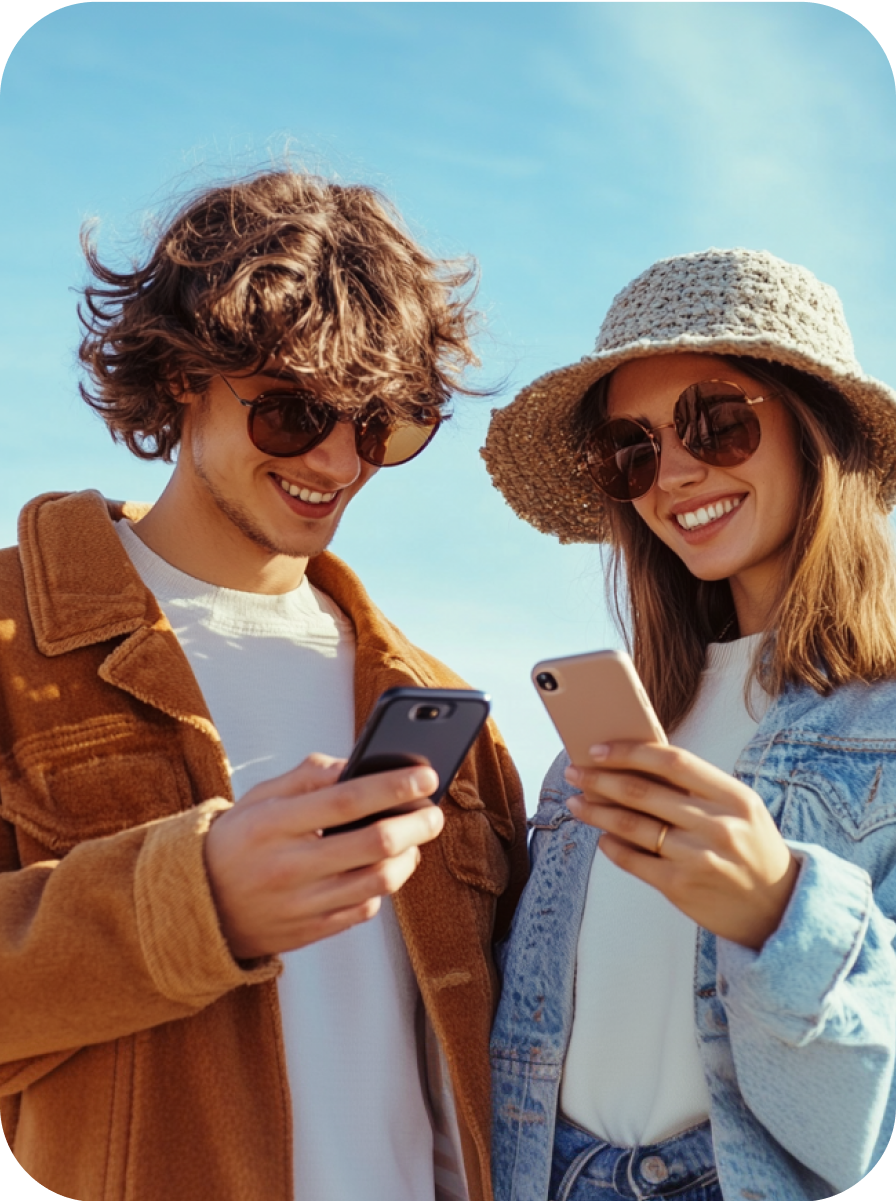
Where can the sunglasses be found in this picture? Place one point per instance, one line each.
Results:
(284, 424)
(714, 421)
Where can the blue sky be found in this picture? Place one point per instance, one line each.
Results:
(566, 146)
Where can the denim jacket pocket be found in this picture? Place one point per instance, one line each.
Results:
(845, 806)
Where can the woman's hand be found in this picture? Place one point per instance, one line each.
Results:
(721, 858)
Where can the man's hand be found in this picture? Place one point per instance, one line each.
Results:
(278, 885)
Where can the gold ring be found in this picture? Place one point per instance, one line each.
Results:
(661, 838)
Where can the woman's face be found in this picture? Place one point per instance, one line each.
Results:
(751, 508)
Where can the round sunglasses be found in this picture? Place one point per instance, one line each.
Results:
(713, 419)
(291, 422)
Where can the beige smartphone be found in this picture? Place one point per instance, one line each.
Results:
(594, 698)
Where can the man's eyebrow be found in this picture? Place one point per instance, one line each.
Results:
(280, 373)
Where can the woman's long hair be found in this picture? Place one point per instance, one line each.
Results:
(834, 618)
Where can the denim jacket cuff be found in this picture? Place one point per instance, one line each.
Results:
(788, 984)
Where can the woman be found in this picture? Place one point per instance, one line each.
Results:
(706, 1008)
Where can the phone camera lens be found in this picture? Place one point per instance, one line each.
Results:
(426, 712)
(546, 681)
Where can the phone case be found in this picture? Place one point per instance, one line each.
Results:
(596, 697)
(410, 726)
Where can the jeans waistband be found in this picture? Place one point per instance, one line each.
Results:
(659, 1170)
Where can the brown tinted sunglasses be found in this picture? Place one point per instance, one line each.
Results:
(713, 419)
(292, 421)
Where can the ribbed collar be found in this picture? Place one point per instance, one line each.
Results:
(729, 656)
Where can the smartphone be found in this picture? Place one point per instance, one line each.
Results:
(410, 727)
(597, 697)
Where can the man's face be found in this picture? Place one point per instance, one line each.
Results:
(279, 506)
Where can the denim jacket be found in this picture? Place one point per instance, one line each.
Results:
(797, 1040)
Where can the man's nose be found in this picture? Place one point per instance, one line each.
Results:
(336, 458)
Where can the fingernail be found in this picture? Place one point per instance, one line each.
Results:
(599, 751)
(573, 775)
(421, 782)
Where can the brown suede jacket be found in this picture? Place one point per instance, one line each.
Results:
(138, 1060)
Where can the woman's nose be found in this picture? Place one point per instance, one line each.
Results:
(677, 467)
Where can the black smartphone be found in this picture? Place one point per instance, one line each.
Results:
(411, 727)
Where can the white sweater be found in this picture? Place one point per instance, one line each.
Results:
(277, 675)
(633, 1074)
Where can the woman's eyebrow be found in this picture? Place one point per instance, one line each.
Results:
(638, 417)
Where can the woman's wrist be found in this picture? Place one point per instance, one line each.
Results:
(769, 915)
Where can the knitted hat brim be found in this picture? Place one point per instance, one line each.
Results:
(531, 450)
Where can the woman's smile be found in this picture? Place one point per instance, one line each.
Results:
(707, 515)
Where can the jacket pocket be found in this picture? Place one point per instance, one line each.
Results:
(849, 801)
(473, 851)
(62, 799)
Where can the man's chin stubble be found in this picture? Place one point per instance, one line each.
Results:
(243, 521)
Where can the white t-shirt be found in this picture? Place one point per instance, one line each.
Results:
(277, 675)
(633, 1074)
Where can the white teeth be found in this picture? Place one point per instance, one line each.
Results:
(305, 494)
(706, 513)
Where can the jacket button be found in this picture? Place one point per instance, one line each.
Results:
(654, 1170)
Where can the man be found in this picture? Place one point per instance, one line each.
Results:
(209, 1000)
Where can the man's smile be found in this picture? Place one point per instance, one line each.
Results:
(308, 495)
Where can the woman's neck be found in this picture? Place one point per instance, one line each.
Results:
(754, 603)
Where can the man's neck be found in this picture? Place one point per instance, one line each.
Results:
(202, 542)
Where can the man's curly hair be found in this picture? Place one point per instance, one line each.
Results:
(285, 267)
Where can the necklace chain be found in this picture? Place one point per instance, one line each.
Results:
(726, 628)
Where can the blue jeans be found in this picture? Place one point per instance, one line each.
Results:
(585, 1168)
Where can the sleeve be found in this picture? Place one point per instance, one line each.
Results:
(812, 1015)
(118, 936)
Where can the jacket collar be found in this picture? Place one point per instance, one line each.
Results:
(82, 589)
(384, 658)
(79, 582)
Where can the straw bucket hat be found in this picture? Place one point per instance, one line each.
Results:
(738, 302)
